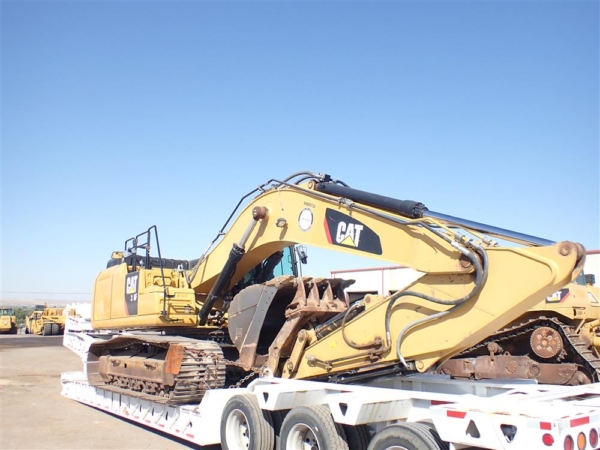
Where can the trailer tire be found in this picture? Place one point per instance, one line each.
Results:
(245, 426)
(429, 426)
(358, 436)
(409, 436)
(277, 418)
(47, 329)
(305, 425)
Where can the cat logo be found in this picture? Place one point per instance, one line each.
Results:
(351, 233)
(131, 287)
(131, 293)
(348, 234)
(558, 296)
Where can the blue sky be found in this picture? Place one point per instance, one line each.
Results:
(119, 115)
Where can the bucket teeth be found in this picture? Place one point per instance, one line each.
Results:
(321, 293)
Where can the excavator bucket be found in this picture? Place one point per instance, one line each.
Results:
(264, 318)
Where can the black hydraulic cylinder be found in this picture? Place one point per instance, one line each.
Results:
(235, 255)
(406, 208)
(416, 210)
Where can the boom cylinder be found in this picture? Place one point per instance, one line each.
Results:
(417, 210)
(407, 208)
(235, 255)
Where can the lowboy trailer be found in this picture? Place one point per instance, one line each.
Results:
(426, 411)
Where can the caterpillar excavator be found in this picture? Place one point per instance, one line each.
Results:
(183, 327)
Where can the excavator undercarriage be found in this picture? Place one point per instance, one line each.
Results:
(544, 349)
(171, 370)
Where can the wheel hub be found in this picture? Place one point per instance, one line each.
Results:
(302, 437)
(238, 432)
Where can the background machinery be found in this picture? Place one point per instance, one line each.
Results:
(226, 317)
(47, 321)
(8, 321)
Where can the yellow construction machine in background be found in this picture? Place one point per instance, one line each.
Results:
(8, 321)
(47, 321)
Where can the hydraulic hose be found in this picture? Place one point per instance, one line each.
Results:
(481, 273)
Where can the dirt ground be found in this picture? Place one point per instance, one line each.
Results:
(33, 414)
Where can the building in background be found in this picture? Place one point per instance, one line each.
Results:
(387, 280)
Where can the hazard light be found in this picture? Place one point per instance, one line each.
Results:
(569, 443)
(548, 440)
(581, 441)
(593, 438)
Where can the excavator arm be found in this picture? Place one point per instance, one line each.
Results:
(469, 285)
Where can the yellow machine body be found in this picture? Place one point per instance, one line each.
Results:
(8, 321)
(110, 310)
(47, 321)
(302, 327)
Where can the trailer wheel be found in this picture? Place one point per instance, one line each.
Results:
(245, 426)
(358, 436)
(47, 329)
(429, 426)
(312, 428)
(55, 328)
(277, 418)
(404, 436)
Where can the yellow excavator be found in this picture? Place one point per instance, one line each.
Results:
(241, 309)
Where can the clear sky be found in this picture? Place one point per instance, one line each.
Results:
(117, 115)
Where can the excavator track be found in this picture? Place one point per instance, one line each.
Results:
(165, 369)
(575, 350)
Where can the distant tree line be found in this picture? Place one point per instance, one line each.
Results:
(20, 314)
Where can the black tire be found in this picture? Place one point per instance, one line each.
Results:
(429, 426)
(47, 329)
(13, 330)
(26, 330)
(358, 436)
(407, 435)
(277, 418)
(315, 424)
(244, 426)
(55, 328)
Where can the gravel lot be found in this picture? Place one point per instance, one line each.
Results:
(33, 414)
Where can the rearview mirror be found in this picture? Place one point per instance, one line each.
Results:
(302, 254)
